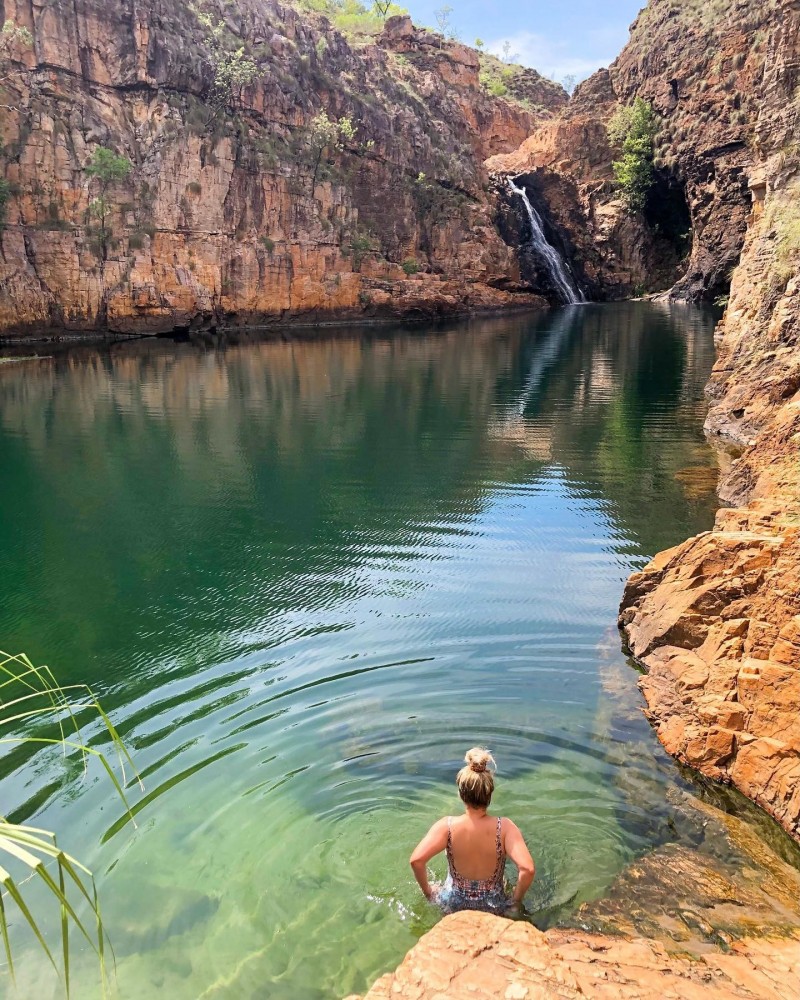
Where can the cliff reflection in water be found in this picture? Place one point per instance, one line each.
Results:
(123, 442)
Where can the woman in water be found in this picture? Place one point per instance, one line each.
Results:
(477, 845)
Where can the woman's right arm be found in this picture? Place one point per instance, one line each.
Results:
(517, 850)
(433, 843)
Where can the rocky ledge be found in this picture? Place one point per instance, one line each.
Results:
(482, 956)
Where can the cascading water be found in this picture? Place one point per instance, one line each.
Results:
(562, 280)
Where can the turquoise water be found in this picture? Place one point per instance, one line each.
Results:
(304, 576)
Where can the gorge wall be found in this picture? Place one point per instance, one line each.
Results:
(701, 66)
(233, 217)
(716, 621)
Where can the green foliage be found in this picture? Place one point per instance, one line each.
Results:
(5, 195)
(194, 187)
(12, 38)
(36, 712)
(268, 244)
(354, 19)
(498, 78)
(493, 85)
(410, 266)
(108, 167)
(360, 245)
(324, 133)
(634, 128)
(234, 69)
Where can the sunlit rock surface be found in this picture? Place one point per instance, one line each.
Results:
(482, 956)
(221, 220)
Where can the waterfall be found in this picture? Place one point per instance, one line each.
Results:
(562, 280)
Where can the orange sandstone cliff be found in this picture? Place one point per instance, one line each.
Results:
(716, 621)
(229, 218)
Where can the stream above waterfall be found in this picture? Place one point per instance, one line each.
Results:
(304, 576)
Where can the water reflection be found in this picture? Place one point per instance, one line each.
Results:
(305, 575)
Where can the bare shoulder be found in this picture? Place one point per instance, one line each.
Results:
(439, 828)
(510, 828)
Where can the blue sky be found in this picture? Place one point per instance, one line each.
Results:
(570, 37)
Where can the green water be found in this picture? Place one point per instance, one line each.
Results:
(304, 577)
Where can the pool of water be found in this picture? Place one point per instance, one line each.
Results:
(304, 576)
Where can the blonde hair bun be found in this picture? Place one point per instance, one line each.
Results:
(479, 759)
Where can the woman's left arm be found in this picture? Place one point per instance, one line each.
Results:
(433, 843)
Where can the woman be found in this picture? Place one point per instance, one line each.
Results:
(477, 845)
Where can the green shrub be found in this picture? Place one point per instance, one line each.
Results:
(5, 194)
(194, 187)
(410, 266)
(634, 128)
(268, 244)
(497, 88)
(360, 246)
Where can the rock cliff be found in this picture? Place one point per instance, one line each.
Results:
(234, 215)
(702, 68)
(716, 621)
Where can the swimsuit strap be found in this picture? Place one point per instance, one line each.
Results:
(499, 849)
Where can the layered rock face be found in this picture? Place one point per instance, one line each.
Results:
(483, 956)
(233, 217)
(716, 621)
(701, 66)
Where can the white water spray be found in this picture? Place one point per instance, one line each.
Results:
(563, 282)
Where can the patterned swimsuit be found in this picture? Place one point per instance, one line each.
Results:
(459, 893)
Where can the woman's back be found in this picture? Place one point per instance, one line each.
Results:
(475, 846)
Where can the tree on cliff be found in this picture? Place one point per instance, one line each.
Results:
(12, 38)
(327, 133)
(233, 68)
(106, 168)
(634, 128)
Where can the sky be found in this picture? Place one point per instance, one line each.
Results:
(566, 38)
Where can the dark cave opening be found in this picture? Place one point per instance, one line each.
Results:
(667, 213)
